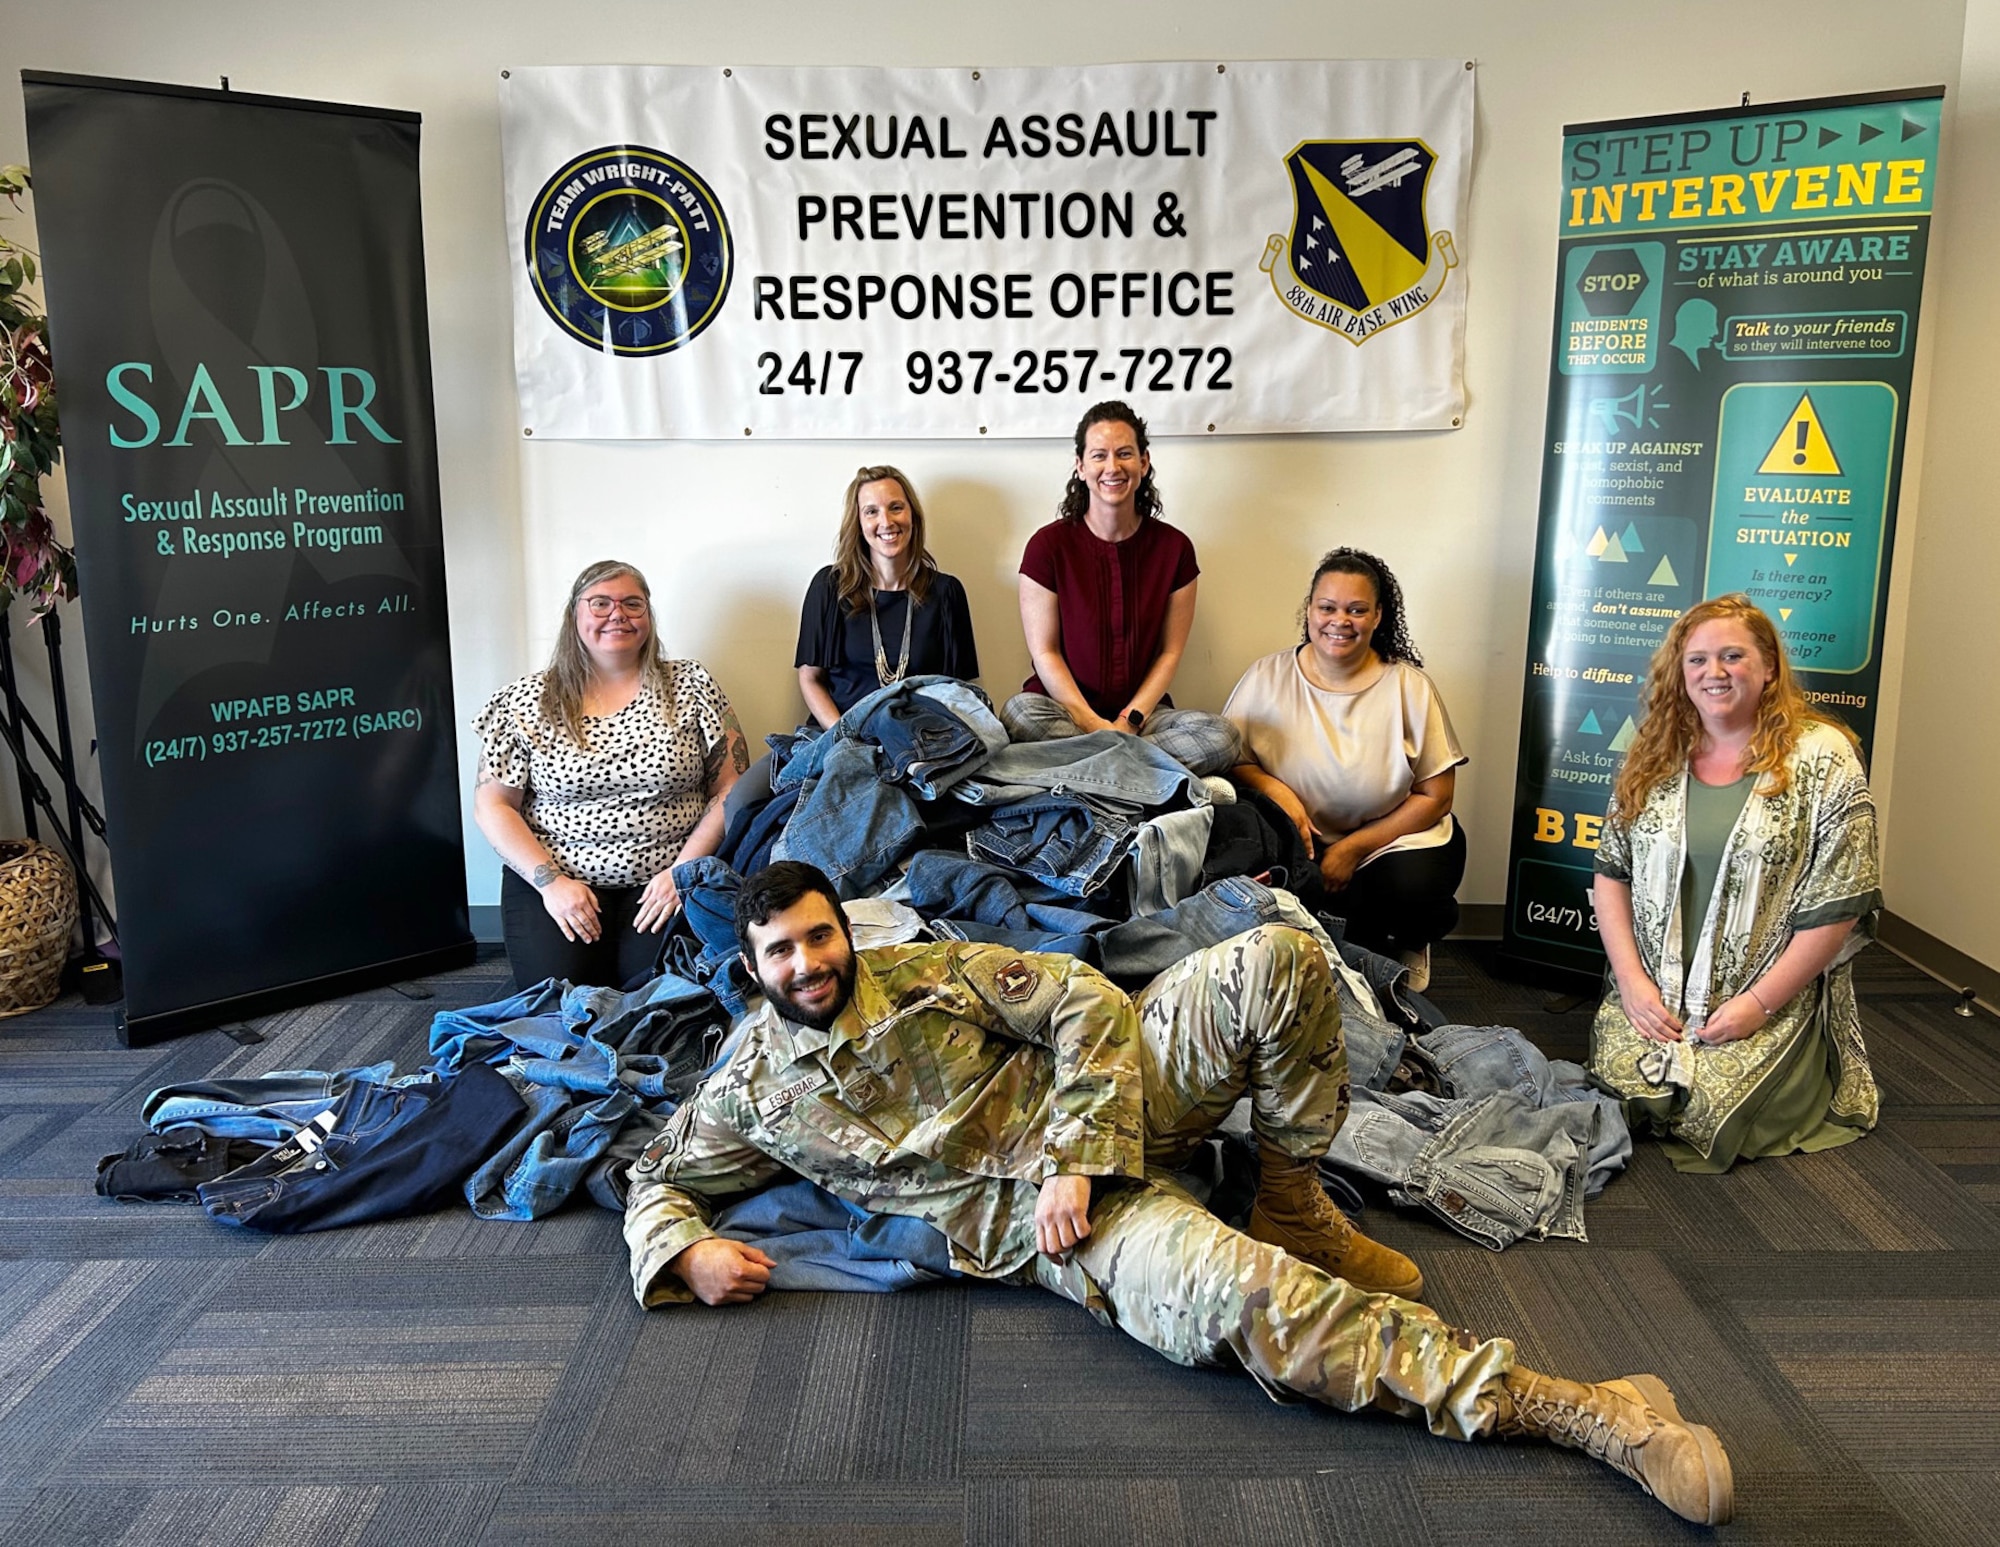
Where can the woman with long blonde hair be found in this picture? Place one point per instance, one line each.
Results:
(598, 775)
(1737, 873)
(882, 610)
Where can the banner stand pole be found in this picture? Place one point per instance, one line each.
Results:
(15, 714)
(96, 974)
(93, 967)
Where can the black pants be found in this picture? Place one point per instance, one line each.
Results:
(620, 956)
(1403, 901)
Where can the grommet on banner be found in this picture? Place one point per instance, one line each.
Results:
(525, 430)
(1211, 429)
(982, 429)
(1222, 69)
(746, 429)
(727, 72)
(506, 75)
(1456, 421)
(975, 75)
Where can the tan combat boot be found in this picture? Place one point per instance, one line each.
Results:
(1632, 1426)
(1294, 1213)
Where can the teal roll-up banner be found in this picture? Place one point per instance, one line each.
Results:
(1735, 321)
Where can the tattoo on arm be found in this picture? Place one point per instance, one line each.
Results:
(711, 765)
(732, 734)
(543, 874)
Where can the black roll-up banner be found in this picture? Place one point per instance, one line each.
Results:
(1735, 332)
(236, 295)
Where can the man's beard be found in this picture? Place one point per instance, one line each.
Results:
(816, 1020)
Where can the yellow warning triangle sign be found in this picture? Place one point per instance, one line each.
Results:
(1785, 613)
(1791, 559)
(1801, 449)
(1384, 265)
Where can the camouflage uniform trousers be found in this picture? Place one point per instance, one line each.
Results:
(1258, 1012)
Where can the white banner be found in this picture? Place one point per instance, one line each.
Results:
(1235, 248)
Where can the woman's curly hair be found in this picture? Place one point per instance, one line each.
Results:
(1669, 730)
(1391, 640)
(1076, 496)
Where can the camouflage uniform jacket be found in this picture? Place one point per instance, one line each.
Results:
(957, 1078)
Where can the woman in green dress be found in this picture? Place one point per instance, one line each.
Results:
(1737, 874)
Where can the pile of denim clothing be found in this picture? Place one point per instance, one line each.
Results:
(925, 765)
(1102, 847)
(932, 825)
(1474, 1125)
(525, 1102)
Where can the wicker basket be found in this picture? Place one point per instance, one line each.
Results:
(37, 916)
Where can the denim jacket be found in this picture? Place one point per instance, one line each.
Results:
(1511, 1148)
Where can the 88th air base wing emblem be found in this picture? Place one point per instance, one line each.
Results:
(1361, 256)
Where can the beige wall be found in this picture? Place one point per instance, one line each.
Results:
(729, 534)
(1943, 833)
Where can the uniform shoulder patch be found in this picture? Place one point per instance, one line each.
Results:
(1018, 988)
(1016, 981)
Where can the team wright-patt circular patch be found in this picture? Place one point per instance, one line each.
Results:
(629, 251)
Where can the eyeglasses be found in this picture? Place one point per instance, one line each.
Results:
(604, 606)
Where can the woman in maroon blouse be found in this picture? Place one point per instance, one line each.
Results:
(1107, 600)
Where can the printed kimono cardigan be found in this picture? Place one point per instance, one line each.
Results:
(1793, 861)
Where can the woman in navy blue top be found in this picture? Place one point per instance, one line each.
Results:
(883, 610)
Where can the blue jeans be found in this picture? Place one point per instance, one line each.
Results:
(550, 1155)
(1167, 851)
(708, 890)
(1124, 771)
(823, 1242)
(1495, 1168)
(941, 884)
(379, 1152)
(921, 743)
(851, 821)
(932, 734)
(1204, 743)
(267, 1108)
(1072, 845)
(1477, 1061)
(590, 1063)
(1512, 1148)
(976, 710)
(668, 1017)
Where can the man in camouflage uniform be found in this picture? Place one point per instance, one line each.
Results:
(1029, 1111)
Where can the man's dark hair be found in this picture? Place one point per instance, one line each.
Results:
(774, 889)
